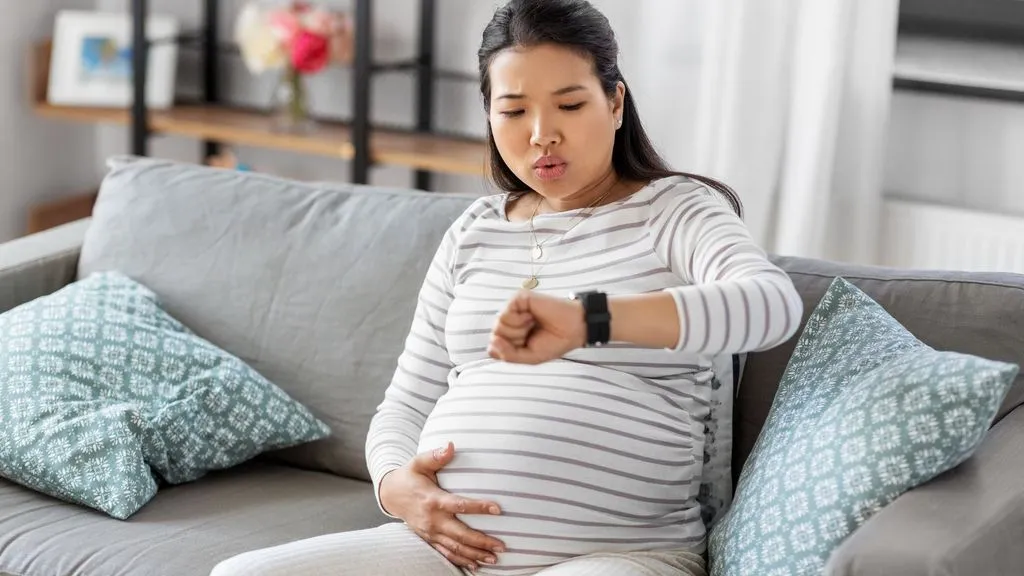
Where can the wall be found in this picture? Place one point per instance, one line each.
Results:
(460, 23)
(957, 151)
(39, 160)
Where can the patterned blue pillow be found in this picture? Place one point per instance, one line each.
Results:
(864, 413)
(103, 394)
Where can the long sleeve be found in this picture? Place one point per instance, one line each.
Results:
(421, 376)
(735, 300)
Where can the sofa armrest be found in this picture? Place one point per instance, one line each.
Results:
(967, 521)
(39, 264)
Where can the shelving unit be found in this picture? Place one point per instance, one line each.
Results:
(963, 49)
(216, 122)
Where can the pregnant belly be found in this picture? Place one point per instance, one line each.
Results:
(575, 471)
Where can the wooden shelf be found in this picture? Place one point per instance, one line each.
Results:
(242, 127)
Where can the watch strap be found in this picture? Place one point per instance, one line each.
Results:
(596, 316)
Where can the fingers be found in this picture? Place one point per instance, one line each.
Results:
(502, 349)
(514, 326)
(454, 558)
(463, 550)
(435, 460)
(471, 539)
(458, 505)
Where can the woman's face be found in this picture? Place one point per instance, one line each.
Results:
(552, 122)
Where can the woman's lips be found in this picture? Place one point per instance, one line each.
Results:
(550, 168)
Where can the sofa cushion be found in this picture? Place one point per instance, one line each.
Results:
(864, 413)
(970, 312)
(186, 530)
(314, 287)
(103, 394)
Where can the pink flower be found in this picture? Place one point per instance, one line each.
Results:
(310, 52)
(285, 25)
(319, 22)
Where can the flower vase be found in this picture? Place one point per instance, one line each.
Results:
(291, 104)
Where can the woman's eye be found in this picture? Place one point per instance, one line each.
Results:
(511, 113)
(571, 107)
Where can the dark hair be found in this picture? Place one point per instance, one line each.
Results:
(576, 24)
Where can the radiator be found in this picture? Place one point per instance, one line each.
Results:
(929, 236)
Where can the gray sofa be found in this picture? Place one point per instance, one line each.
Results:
(315, 285)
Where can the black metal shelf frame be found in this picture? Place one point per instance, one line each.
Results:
(363, 66)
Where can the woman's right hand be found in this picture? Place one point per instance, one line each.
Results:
(412, 494)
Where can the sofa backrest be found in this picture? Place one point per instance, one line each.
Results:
(972, 313)
(314, 285)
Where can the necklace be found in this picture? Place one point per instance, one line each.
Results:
(537, 250)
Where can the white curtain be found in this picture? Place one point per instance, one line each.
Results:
(792, 112)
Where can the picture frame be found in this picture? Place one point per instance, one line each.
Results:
(91, 60)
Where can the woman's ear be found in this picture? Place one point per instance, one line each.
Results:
(619, 100)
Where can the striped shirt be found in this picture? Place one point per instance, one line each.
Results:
(602, 449)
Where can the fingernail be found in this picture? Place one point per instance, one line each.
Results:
(491, 560)
(495, 510)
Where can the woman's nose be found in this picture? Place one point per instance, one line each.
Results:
(545, 133)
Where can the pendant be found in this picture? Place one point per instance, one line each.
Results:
(538, 252)
(531, 283)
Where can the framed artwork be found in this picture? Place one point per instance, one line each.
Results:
(91, 62)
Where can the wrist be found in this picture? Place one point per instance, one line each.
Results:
(596, 317)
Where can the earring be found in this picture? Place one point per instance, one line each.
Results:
(618, 124)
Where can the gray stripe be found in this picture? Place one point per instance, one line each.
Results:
(686, 318)
(738, 262)
(682, 207)
(426, 360)
(542, 553)
(467, 351)
(677, 392)
(587, 392)
(573, 441)
(767, 313)
(587, 540)
(606, 282)
(685, 223)
(667, 399)
(567, 482)
(728, 318)
(785, 309)
(645, 526)
(436, 307)
(466, 491)
(584, 255)
(422, 317)
(430, 284)
(546, 418)
(420, 378)
(409, 406)
(746, 319)
(576, 405)
(609, 230)
(707, 320)
(574, 462)
(475, 332)
(598, 267)
(425, 399)
(512, 568)
(472, 313)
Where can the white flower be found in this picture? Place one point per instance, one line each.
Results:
(260, 47)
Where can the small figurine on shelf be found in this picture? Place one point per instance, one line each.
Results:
(299, 40)
(227, 159)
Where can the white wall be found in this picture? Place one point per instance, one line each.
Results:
(460, 24)
(39, 159)
(957, 151)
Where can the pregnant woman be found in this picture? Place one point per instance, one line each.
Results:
(547, 413)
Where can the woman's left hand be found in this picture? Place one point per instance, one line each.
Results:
(536, 328)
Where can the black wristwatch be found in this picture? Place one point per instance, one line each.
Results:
(596, 316)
